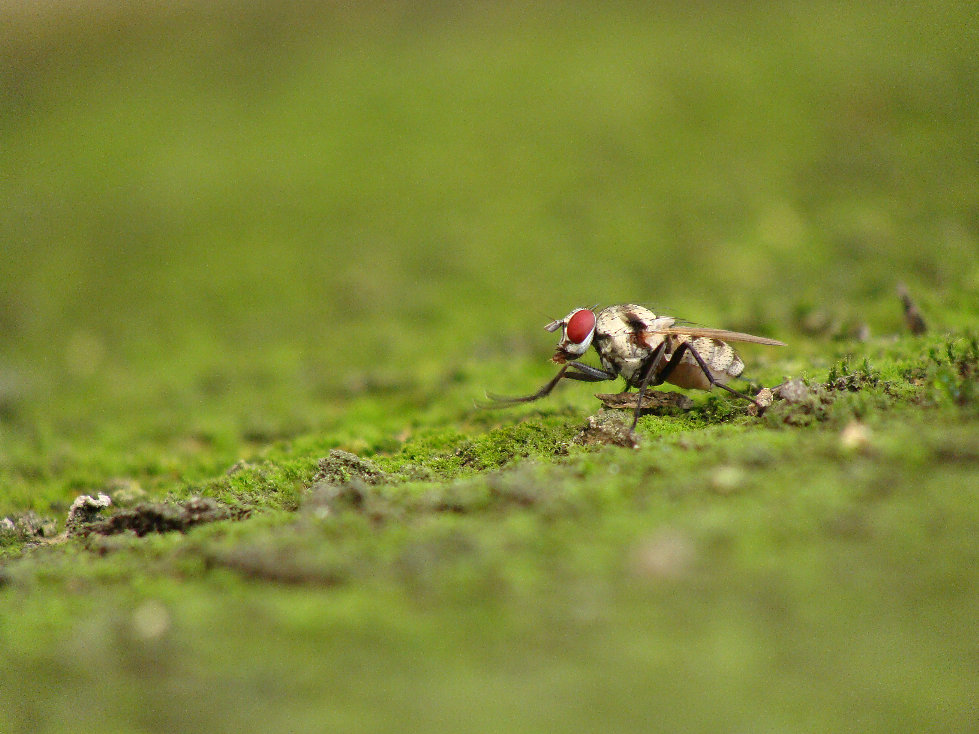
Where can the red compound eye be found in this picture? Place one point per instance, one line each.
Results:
(580, 325)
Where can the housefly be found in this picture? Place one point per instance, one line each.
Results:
(645, 350)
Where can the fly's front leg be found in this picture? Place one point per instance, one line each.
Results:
(678, 356)
(581, 371)
(587, 373)
(497, 400)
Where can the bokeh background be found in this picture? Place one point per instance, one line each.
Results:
(224, 219)
(253, 231)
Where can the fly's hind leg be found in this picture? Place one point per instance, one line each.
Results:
(678, 356)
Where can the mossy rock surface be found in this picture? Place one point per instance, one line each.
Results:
(261, 263)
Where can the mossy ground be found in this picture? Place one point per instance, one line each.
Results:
(238, 238)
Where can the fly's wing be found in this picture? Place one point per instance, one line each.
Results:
(698, 332)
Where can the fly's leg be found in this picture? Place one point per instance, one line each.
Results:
(582, 372)
(668, 368)
(543, 392)
(594, 374)
(653, 365)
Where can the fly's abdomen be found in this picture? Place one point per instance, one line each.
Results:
(720, 358)
(723, 361)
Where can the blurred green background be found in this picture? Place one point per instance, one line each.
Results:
(257, 229)
(257, 206)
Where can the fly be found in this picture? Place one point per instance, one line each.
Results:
(645, 350)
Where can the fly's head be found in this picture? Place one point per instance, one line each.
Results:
(577, 330)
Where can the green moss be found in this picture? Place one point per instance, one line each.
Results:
(334, 228)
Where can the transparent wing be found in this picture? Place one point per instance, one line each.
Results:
(719, 334)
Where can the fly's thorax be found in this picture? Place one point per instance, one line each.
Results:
(620, 355)
(635, 324)
(624, 316)
(631, 371)
(621, 339)
(629, 330)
